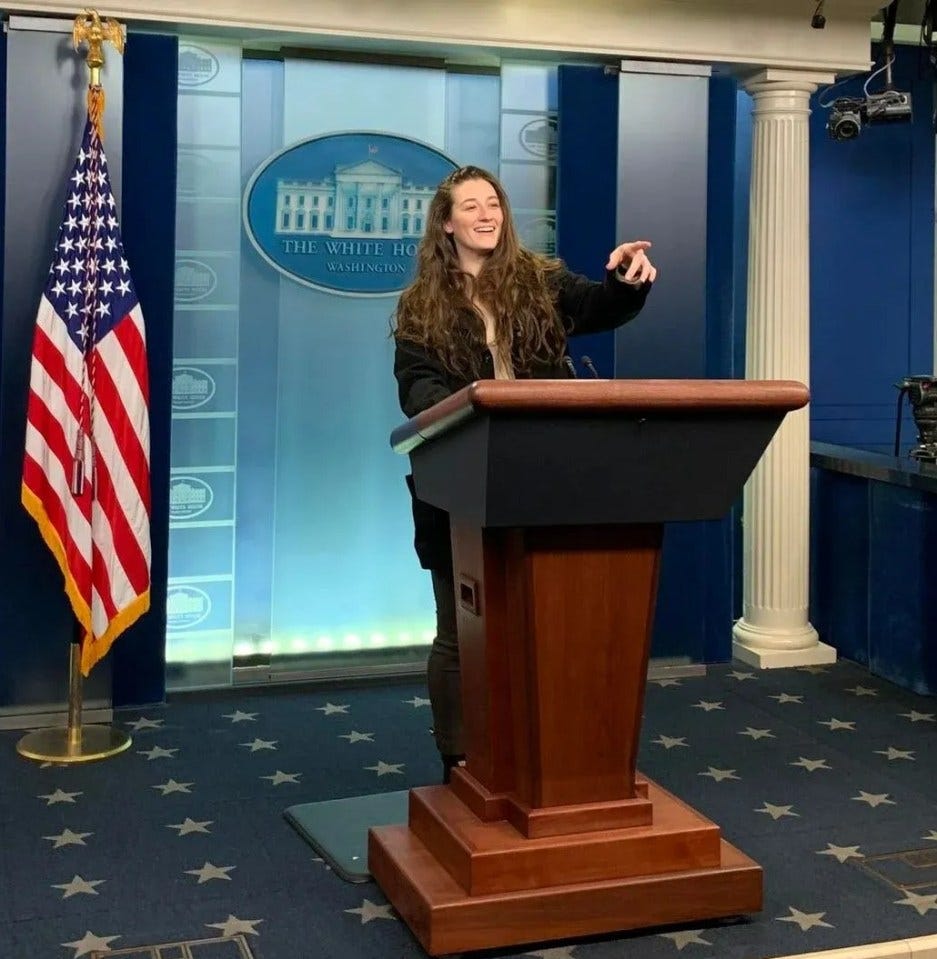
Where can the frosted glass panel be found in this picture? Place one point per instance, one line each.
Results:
(207, 171)
(530, 186)
(291, 532)
(198, 334)
(208, 120)
(472, 105)
(201, 441)
(343, 562)
(202, 533)
(323, 97)
(528, 151)
(529, 86)
(207, 224)
(343, 559)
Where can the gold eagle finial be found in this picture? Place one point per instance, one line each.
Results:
(91, 28)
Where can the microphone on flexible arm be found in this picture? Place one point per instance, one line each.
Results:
(570, 367)
(590, 366)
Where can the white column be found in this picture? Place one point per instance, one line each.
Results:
(774, 629)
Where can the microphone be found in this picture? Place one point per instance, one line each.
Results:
(590, 366)
(570, 367)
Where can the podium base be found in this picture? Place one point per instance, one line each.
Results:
(543, 904)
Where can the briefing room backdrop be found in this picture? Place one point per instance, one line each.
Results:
(318, 573)
(301, 378)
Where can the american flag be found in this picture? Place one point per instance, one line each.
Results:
(86, 474)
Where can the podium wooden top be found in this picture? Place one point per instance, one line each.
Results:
(614, 397)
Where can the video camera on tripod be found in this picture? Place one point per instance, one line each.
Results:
(922, 392)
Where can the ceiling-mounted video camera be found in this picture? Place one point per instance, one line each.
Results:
(848, 115)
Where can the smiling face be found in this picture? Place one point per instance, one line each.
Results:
(474, 222)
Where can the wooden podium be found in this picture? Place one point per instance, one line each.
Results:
(558, 492)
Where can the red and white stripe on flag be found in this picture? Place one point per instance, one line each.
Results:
(86, 471)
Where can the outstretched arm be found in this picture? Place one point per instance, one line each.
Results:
(586, 306)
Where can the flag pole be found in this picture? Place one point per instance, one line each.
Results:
(77, 743)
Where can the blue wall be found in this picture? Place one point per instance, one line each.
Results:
(874, 590)
(872, 265)
(871, 261)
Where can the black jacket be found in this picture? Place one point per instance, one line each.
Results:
(583, 305)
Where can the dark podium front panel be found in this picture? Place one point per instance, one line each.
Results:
(529, 470)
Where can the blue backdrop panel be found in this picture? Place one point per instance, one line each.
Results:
(725, 313)
(614, 173)
(664, 191)
(148, 227)
(663, 143)
(586, 186)
(742, 170)
(726, 289)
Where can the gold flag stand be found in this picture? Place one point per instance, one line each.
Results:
(77, 743)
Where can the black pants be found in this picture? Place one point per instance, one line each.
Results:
(445, 688)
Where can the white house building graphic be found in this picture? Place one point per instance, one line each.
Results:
(344, 212)
(365, 199)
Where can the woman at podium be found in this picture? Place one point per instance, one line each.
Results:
(484, 307)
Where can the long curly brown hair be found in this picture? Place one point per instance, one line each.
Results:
(516, 286)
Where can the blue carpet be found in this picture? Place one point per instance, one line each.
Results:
(824, 776)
